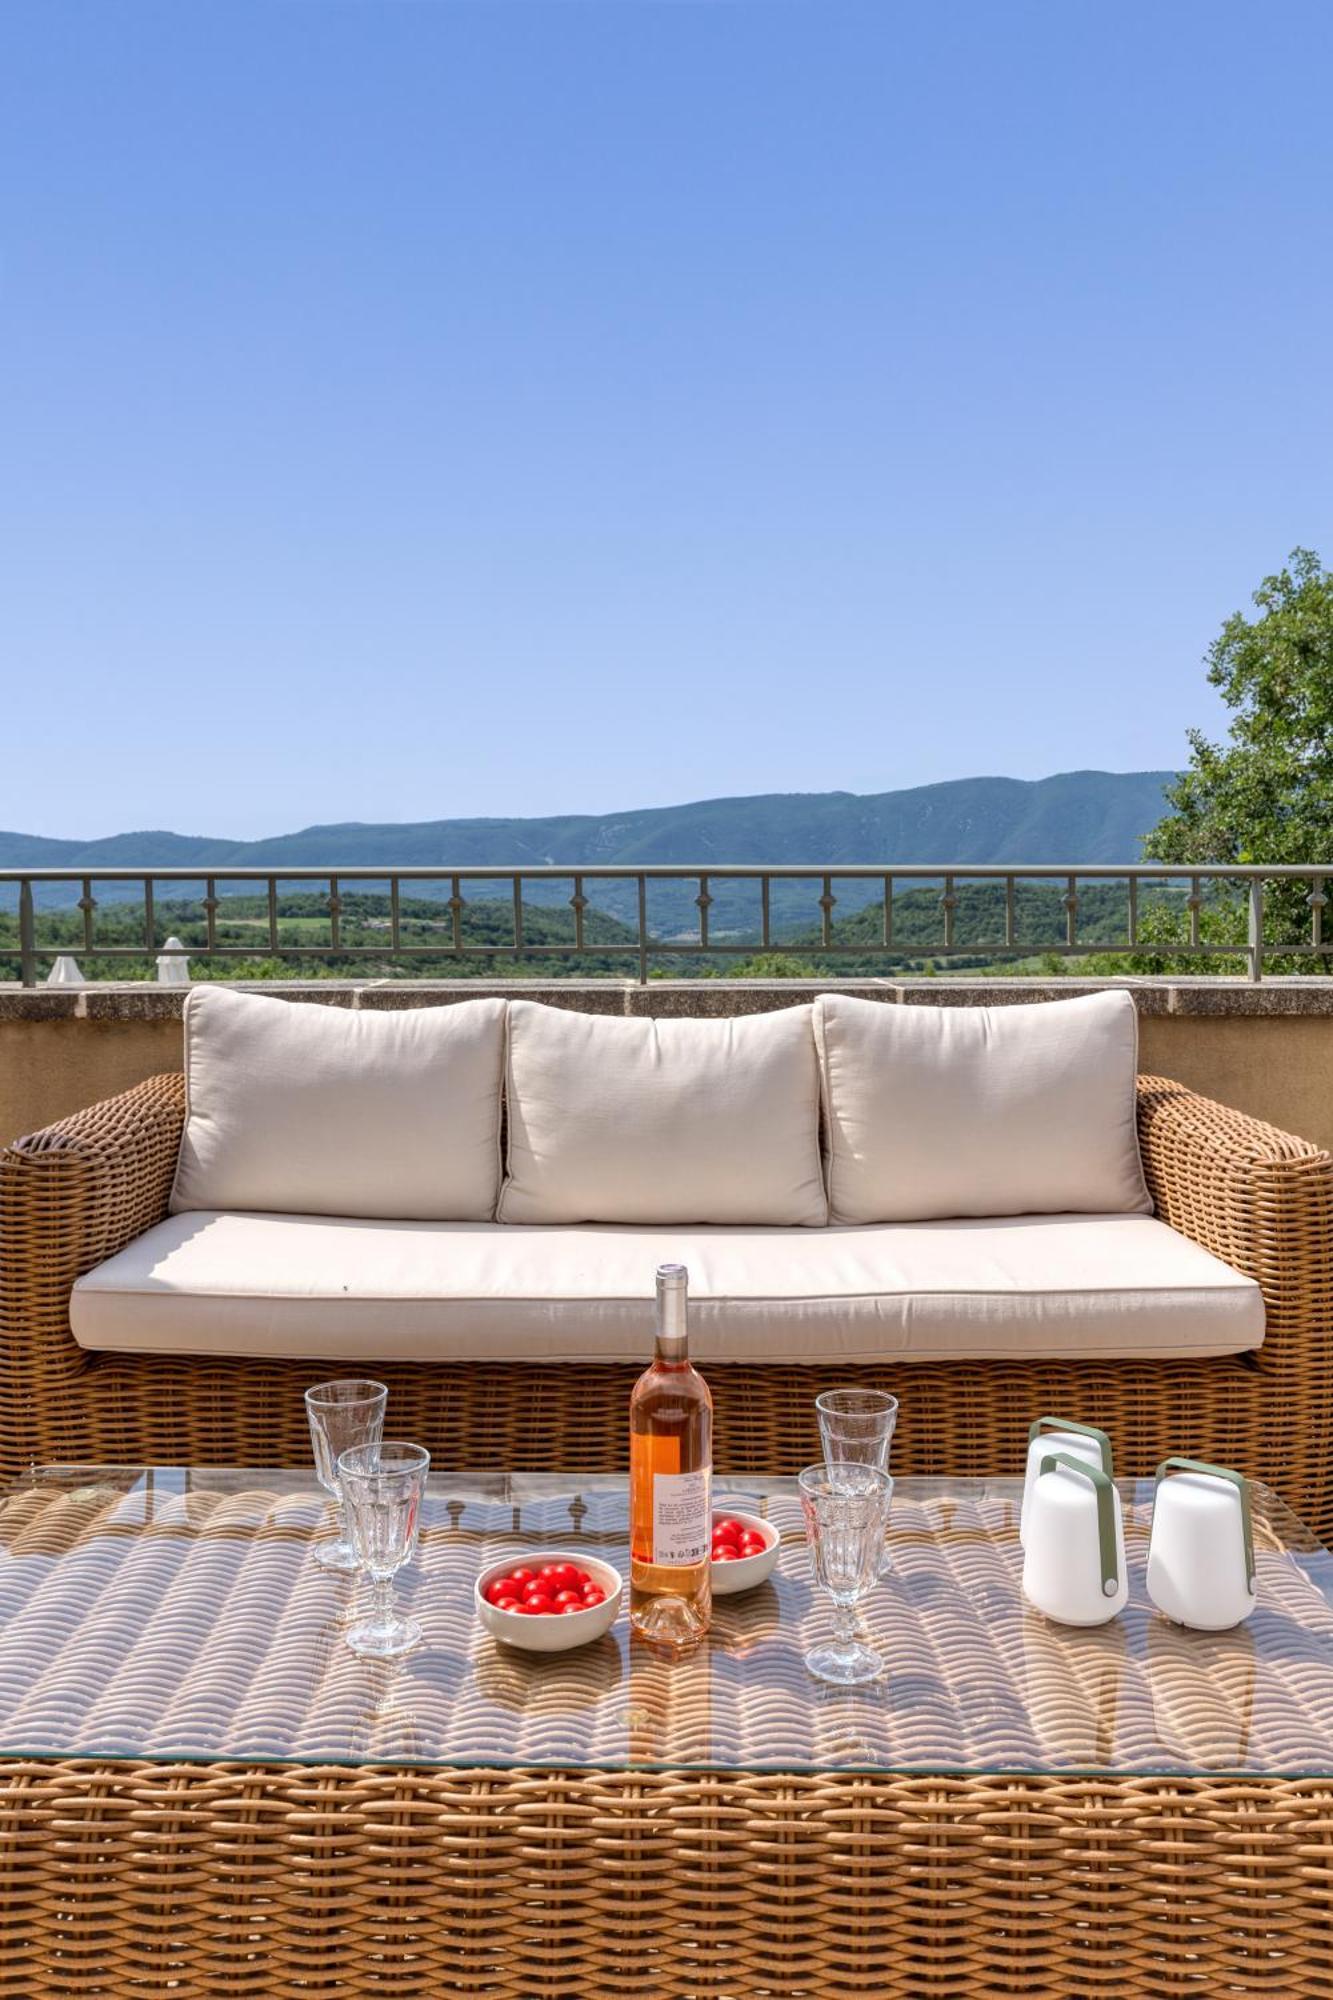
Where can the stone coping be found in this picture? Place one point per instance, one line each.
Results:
(107, 1000)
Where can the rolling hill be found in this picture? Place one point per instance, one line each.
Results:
(1077, 816)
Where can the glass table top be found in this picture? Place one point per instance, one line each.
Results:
(180, 1615)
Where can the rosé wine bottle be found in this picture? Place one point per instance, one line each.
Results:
(671, 1477)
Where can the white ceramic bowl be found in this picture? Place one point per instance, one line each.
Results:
(561, 1632)
(744, 1572)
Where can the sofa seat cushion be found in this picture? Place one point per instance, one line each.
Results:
(312, 1286)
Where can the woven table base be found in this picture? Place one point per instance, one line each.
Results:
(281, 1884)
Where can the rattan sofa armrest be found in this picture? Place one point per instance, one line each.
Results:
(1259, 1199)
(70, 1196)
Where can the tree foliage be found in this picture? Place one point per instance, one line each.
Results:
(1266, 795)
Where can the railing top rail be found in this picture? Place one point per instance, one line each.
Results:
(667, 870)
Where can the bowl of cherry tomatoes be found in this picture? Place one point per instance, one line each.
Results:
(549, 1603)
(745, 1552)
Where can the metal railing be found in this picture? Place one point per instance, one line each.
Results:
(523, 890)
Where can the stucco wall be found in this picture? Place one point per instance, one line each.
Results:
(1266, 1049)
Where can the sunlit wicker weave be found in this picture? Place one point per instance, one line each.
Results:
(1134, 1812)
(79, 1191)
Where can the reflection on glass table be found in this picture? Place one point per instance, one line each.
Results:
(168, 1614)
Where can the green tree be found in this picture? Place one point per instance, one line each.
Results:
(772, 965)
(1265, 795)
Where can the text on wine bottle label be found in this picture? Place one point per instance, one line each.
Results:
(681, 1524)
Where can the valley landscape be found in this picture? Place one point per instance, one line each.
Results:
(1087, 818)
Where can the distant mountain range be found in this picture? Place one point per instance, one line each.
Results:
(1077, 816)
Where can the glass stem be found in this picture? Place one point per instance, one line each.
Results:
(381, 1604)
(844, 1627)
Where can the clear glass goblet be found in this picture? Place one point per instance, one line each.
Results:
(342, 1415)
(846, 1512)
(856, 1426)
(383, 1486)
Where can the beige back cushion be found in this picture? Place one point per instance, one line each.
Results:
(662, 1121)
(954, 1111)
(317, 1110)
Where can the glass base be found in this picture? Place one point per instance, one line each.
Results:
(337, 1555)
(384, 1639)
(848, 1665)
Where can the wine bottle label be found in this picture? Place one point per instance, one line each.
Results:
(681, 1529)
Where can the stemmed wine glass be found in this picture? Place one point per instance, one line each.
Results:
(846, 1512)
(382, 1486)
(342, 1414)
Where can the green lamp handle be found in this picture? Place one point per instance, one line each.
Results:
(1105, 1514)
(1242, 1485)
(1079, 1430)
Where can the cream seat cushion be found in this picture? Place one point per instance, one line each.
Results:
(945, 1111)
(325, 1111)
(1065, 1285)
(647, 1121)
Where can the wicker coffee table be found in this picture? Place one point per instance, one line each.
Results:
(204, 1795)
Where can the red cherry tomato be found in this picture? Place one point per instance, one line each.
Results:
(593, 1594)
(753, 1545)
(726, 1528)
(507, 1603)
(564, 1597)
(539, 1607)
(522, 1576)
(574, 1604)
(724, 1555)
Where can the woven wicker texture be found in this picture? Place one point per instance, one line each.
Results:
(75, 1193)
(184, 1615)
(248, 1880)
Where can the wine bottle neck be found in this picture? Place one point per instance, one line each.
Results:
(672, 1327)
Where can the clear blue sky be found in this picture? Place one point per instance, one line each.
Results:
(427, 407)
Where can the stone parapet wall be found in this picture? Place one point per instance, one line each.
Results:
(1267, 1049)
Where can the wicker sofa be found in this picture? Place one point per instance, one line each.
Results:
(79, 1192)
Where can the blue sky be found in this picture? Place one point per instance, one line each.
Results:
(428, 407)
